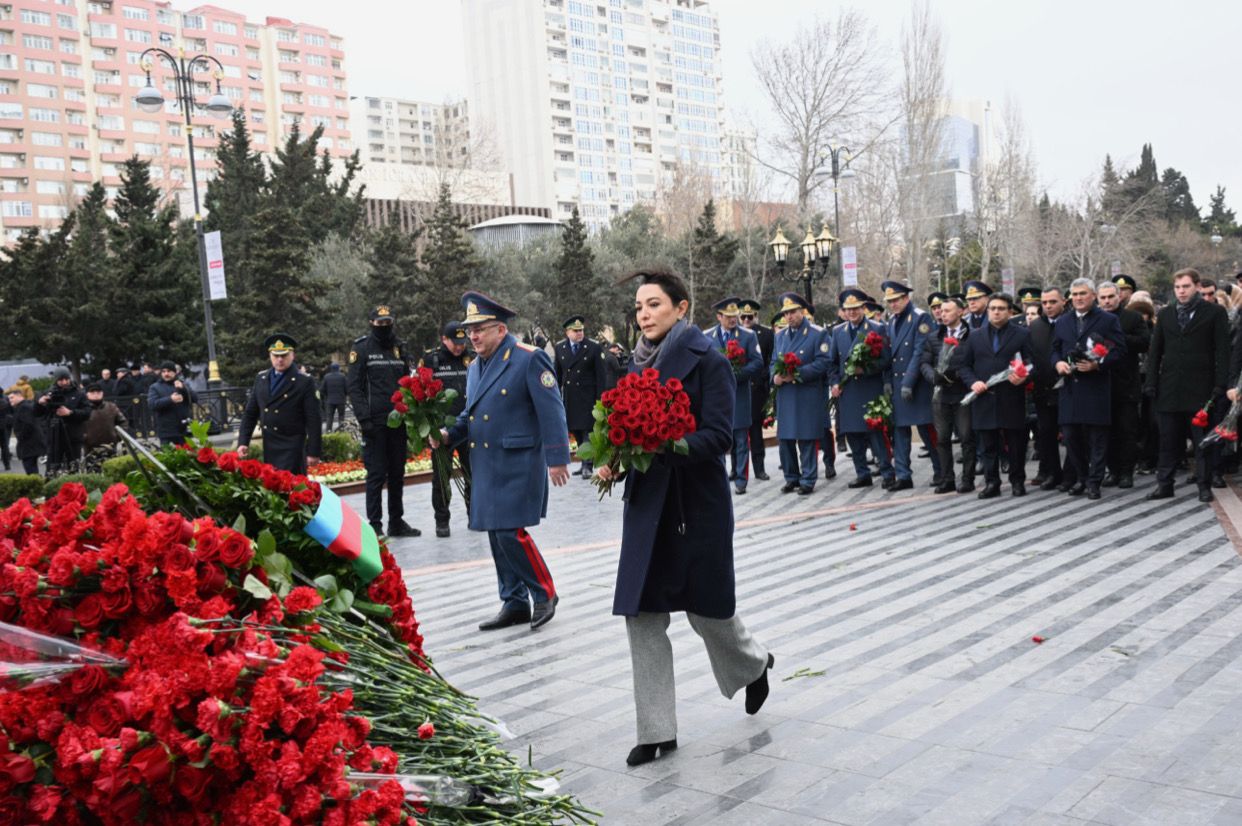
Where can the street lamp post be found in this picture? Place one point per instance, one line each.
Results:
(816, 257)
(1216, 240)
(150, 99)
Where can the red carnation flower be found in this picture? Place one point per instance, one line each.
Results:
(950, 341)
(426, 731)
(1100, 350)
(1200, 419)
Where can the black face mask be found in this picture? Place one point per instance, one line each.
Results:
(384, 334)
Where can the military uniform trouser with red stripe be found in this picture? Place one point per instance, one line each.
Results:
(522, 574)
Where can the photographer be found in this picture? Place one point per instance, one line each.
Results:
(67, 410)
(170, 399)
(27, 430)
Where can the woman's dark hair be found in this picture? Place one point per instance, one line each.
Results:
(667, 280)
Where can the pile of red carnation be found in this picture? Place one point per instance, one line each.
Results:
(863, 356)
(635, 420)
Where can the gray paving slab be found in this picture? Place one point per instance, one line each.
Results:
(907, 688)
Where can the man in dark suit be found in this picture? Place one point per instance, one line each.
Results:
(335, 389)
(998, 414)
(582, 374)
(1084, 401)
(759, 387)
(285, 405)
(1127, 388)
(1047, 429)
(1187, 368)
(947, 411)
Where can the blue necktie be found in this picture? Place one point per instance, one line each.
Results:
(995, 341)
(275, 382)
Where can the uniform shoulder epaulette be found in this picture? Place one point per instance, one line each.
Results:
(360, 339)
(817, 327)
(530, 348)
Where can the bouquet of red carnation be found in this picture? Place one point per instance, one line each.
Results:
(863, 355)
(878, 414)
(1095, 351)
(1015, 368)
(1227, 430)
(636, 420)
(788, 365)
(1200, 419)
(736, 354)
(420, 405)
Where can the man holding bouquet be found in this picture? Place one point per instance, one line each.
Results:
(939, 366)
(854, 384)
(799, 365)
(741, 347)
(1086, 344)
(908, 331)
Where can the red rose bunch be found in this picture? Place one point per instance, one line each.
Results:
(420, 404)
(736, 354)
(787, 366)
(864, 356)
(636, 420)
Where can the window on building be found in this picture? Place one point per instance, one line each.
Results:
(314, 39)
(79, 165)
(135, 13)
(224, 27)
(41, 90)
(138, 35)
(36, 41)
(49, 162)
(42, 67)
(15, 209)
(36, 18)
(252, 33)
(69, 46)
(105, 30)
(53, 211)
(192, 21)
(67, 21)
(50, 188)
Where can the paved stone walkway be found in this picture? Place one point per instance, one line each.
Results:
(907, 686)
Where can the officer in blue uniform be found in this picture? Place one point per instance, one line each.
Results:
(514, 422)
(728, 328)
(976, 296)
(854, 392)
(285, 405)
(908, 329)
(800, 401)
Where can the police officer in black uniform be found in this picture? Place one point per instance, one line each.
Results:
(759, 387)
(376, 364)
(450, 362)
(582, 373)
(285, 405)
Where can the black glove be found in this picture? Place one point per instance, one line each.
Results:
(907, 394)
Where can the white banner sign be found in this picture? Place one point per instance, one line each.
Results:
(1115, 269)
(1007, 280)
(849, 267)
(215, 266)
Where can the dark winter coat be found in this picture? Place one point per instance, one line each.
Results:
(100, 430)
(289, 419)
(949, 383)
(1127, 378)
(1002, 407)
(677, 537)
(583, 377)
(171, 417)
(28, 431)
(1086, 398)
(335, 387)
(1187, 368)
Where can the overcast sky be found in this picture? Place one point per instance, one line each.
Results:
(1090, 76)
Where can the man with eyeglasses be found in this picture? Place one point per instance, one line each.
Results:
(285, 405)
(1051, 474)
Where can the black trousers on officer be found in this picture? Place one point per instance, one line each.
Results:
(1086, 447)
(948, 418)
(383, 455)
(758, 400)
(337, 410)
(991, 443)
(1123, 438)
(285, 451)
(1046, 442)
(442, 481)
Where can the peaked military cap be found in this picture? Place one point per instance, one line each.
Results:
(382, 312)
(728, 306)
(874, 308)
(453, 330)
(575, 322)
(1030, 295)
(1125, 282)
(793, 301)
(852, 299)
(935, 299)
(894, 289)
(748, 306)
(280, 343)
(481, 308)
(976, 289)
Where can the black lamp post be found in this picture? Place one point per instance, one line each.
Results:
(816, 257)
(150, 99)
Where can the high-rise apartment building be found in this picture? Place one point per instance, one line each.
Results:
(391, 130)
(69, 70)
(595, 102)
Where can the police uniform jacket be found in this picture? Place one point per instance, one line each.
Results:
(976, 321)
(1086, 398)
(515, 425)
(908, 339)
(170, 416)
(334, 388)
(949, 382)
(451, 370)
(374, 370)
(1186, 368)
(746, 376)
(677, 535)
(1002, 407)
(859, 390)
(800, 405)
(582, 376)
(289, 419)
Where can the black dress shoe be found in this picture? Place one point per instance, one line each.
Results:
(989, 492)
(1126, 480)
(507, 616)
(1077, 490)
(543, 613)
(1093, 492)
(1049, 484)
(761, 476)
(888, 483)
(757, 692)
(1018, 488)
(903, 484)
(1110, 481)
(739, 491)
(646, 752)
(789, 487)
(401, 528)
(830, 472)
(442, 531)
(1037, 481)
(1192, 479)
(805, 491)
(1218, 481)
(732, 477)
(1205, 493)
(946, 486)
(378, 528)
(1064, 487)
(864, 482)
(965, 486)
(1161, 492)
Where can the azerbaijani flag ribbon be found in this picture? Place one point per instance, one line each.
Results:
(338, 528)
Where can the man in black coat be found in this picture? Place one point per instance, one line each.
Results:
(759, 387)
(947, 411)
(124, 386)
(170, 401)
(998, 414)
(1047, 429)
(1084, 399)
(66, 408)
(582, 375)
(1187, 368)
(333, 390)
(376, 365)
(28, 431)
(450, 362)
(1127, 392)
(285, 405)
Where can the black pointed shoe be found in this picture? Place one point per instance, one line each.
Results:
(646, 752)
(789, 487)
(757, 692)
(543, 613)
(402, 528)
(507, 616)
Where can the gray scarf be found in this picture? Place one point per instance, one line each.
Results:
(646, 354)
(1185, 311)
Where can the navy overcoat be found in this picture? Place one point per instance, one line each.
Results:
(1086, 398)
(1002, 407)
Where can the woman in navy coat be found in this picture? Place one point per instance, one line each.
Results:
(677, 537)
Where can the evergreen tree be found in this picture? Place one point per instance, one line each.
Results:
(1179, 203)
(234, 195)
(302, 181)
(449, 269)
(711, 255)
(1110, 187)
(89, 273)
(393, 276)
(1220, 218)
(572, 277)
